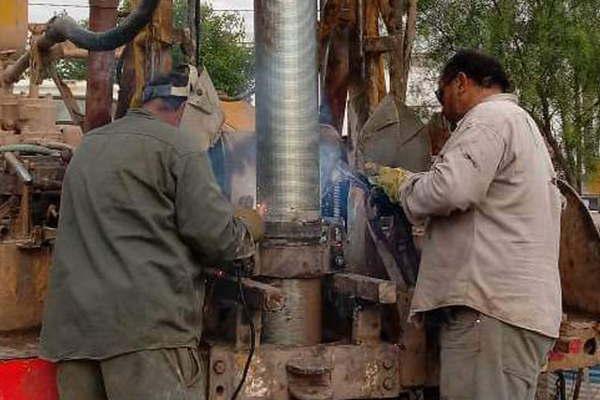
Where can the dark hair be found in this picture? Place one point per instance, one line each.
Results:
(177, 78)
(485, 70)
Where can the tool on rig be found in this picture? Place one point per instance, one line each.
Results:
(387, 223)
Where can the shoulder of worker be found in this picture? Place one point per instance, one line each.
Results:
(140, 122)
(500, 114)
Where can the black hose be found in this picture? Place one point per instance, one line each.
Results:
(252, 336)
(198, 30)
(65, 28)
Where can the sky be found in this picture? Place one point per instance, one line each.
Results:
(43, 10)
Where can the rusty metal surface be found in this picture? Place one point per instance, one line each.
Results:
(258, 295)
(19, 344)
(98, 101)
(71, 104)
(579, 255)
(279, 259)
(365, 288)
(24, 275)
(150, 53)
(13, 24)
(28, 210)
(298, 322)
(25, 119)
(578, 345)
(366, 324)
(37, 119)
(343, 371)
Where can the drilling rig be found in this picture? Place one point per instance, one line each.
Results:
(325, 300)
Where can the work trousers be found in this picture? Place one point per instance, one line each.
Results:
(483, 358)
(163, 374)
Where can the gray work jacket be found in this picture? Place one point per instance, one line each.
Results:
(493, 212)
(140, 216)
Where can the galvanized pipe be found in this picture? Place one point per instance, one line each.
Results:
(286, 110)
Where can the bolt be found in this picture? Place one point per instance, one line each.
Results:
(388, 384)
(388, 364)
(219, 366)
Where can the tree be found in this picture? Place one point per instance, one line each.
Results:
(223, 48)
(73, 68)
(552, 51)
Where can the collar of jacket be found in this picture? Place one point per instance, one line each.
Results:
(140, 112)
(501, 97)
(513, 98)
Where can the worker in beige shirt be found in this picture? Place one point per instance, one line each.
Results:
(489, 267)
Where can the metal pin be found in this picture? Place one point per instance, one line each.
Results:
(19, 168)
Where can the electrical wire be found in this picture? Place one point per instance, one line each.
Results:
(198, 30)
(248, 317)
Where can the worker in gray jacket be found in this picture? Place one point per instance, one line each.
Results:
(141, 215)
(489, 268)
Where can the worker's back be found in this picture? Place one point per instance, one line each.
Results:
(124, 276)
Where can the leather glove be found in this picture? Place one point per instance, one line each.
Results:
(253, 221)
(389, 179)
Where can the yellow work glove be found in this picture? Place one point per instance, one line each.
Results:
(253, 221)
(389, 179)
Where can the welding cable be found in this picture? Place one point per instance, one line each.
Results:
(252, 335)
(63, 28)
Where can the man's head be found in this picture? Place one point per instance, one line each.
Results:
(467, 79)
(165, 96)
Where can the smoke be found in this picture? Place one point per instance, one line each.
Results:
(234, 165)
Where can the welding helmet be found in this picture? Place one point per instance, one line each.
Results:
(166, 89)
(202, 115)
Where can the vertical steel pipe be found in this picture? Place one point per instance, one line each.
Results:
(98, 102)
(286, 109)
(299, 322)
(288, 157)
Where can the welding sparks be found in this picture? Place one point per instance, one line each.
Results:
(261, 208)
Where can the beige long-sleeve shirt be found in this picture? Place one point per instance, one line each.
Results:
(493, 212)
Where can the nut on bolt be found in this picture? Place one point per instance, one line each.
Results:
(388, 384)
(219, 366)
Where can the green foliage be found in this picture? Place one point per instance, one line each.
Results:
(223, 52)
(73, 69)
(552, 51)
